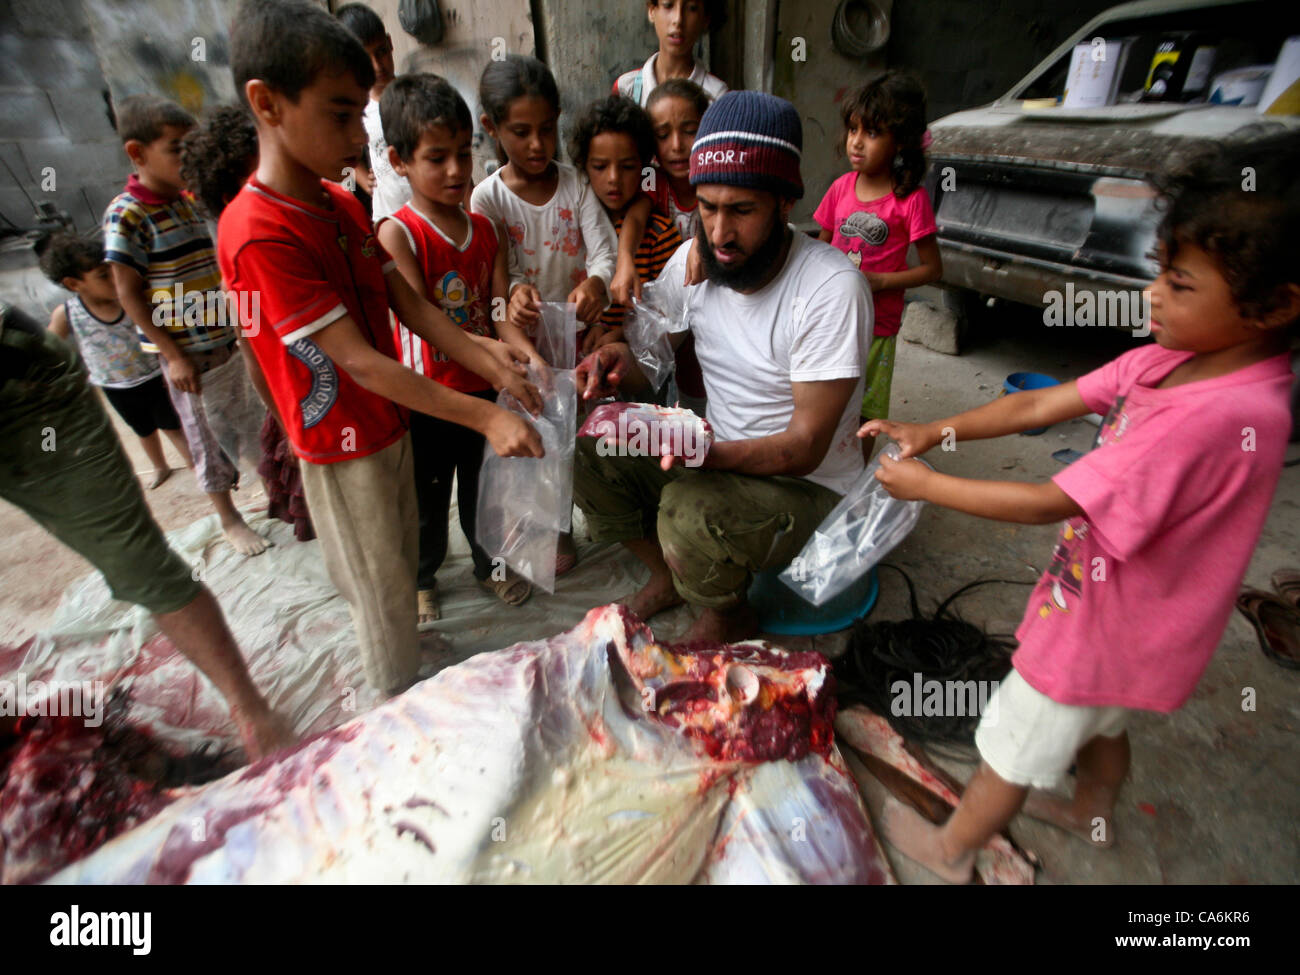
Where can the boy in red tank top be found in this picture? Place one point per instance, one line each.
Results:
(453, 259)
(299, 243)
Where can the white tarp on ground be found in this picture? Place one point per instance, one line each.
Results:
(502, 740)
(293, 630)
(536, 763)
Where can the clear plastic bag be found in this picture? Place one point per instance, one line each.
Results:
(525, 503)
(654, 316)
(557, 335)
(860, 531)
(649, 430)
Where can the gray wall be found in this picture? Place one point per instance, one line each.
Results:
(53, 114)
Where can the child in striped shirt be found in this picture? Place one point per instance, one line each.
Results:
(165, 272)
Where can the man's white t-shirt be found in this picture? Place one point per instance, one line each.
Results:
(392, 192)
(628, 85)
(554, 246)
(811, 323)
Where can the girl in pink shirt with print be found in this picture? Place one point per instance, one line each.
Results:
(878, 209)
(1161, 517)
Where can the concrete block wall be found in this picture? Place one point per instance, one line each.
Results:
(53, 115)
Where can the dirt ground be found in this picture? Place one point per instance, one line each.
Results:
(1214, 795)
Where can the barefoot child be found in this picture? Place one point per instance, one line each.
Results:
(876, 210)
(130, 378)
(294, 235)
(453, 259)
(679, 25)
(165, 272)
(1161, 517)
(612, 143)
(561, 245)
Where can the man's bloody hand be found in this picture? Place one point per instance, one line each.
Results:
(599, 374)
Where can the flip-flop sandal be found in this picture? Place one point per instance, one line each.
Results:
(513, 590)
(426, 604)
(1287, 584)
(1276, 623)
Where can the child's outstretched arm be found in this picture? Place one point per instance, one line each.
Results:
(592, 295)
(1015, 501)
(627, 283)
(507, 330)
(1007, 414)
(508, 434)
(496, 362)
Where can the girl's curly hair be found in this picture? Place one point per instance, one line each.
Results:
(217, 156)
(612, 114)
(1240, 203)
(893, 103)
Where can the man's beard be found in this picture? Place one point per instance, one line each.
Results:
(756, 267)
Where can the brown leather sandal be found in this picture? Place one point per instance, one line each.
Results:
(426, 604)
(513, 590)
(1276, 623)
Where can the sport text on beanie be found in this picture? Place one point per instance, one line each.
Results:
(749, 138)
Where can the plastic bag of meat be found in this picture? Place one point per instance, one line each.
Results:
(647, 430)
(654, 316)
(860, 531)
(525, 503)
(557, 335)
(597, 756)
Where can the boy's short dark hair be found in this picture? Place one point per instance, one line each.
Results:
(413, 103)
(612, 114)
(286, 43)
(144, 118)
(362, 21)
(217, 155)
(715, 10)
(63, 255)
(1240, 203)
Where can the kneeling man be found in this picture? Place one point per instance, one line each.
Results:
(782, 326)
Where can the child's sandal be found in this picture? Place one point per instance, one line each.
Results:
(1287, 584)
(1276, 623)
(513, 590)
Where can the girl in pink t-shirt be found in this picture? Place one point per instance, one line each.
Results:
(1161, 517)
(878, 209)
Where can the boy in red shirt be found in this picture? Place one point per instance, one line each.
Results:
(303, 244)
(453, 259)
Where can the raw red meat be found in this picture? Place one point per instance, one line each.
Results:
(647, 430)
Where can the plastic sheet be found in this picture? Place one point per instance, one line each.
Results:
(654, 316)
(557, 335)
(540, 763)
(525, 503)
(235, 413)
(860, 531)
